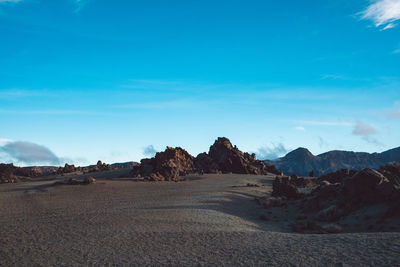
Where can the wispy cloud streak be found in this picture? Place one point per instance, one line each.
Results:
(383, 13)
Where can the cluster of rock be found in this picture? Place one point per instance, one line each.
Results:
(342, 194)
(88, 180)
(288, 187)
(225, 158)
(99, 167)
(12, 174)
(165, 166)
(7, 173)
(221, 158)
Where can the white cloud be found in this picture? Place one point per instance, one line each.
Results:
(366, 132)
(300, 128)
(363, 129)
(4, 141)
(383, 13)
(271, 152)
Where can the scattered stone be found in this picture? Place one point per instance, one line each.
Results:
(252, 185)
(72, 181)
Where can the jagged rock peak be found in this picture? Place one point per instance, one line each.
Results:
(222, 142)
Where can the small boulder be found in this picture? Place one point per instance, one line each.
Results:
(89, 180)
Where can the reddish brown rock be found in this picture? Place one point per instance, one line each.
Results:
(89, 180)
(166, 166)
(226, 158)
(7, 173)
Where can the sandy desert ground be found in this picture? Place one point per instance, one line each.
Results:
(204, 221)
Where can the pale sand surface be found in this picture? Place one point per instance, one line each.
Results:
(207, 220)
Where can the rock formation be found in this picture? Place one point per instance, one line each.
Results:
(165, 166)
(285, 187)
(343, 194)
(225, 158)
(222, 157)
(7, 173)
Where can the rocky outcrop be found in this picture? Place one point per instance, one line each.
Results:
(334, 202)
(338, 176)
(285, 187)
(165, 166)
(100, 167)
(226, 158)
(67, 169)
(7, 173)
(392, 172)
(222, 157)
(204, 163)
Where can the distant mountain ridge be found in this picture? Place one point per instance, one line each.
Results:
(301, 161)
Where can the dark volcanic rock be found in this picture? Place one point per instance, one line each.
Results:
(165, 166)
(363, 186)
(205, 163)
(364, 190)
(7, 173)
(338, 176)
(67, 169)
(222, 158)
(285, 187)
(99, 167)
(392, 172)
(72, 181)
(226, 158)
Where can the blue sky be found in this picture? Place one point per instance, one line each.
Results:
(88, 80)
